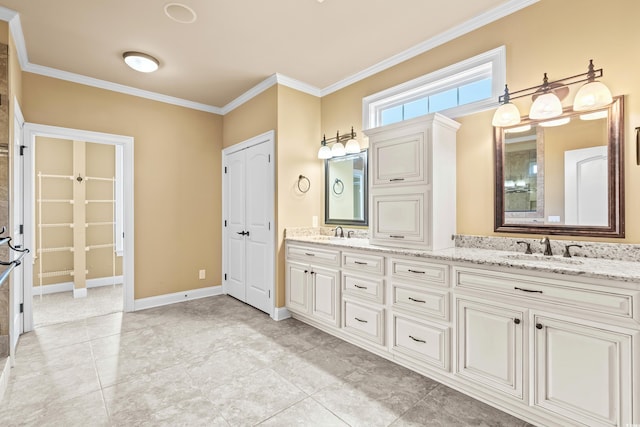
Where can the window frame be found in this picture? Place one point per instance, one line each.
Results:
(488, 64)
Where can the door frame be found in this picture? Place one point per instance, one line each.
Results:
(265, 138)
(33, 130)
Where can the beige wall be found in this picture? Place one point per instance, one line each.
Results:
(557, 37)
(257, 116)
(177, 179)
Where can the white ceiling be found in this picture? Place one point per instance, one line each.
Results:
(236, 44)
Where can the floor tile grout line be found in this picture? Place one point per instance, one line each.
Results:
(334, 414)
(95, 367)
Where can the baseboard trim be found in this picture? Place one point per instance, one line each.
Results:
(5, 370)
(160, 300)
(280, 313)
(80, 292)
(68, 286)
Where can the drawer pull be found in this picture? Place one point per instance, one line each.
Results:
(360, 320)
(417, 300)
(360, 263)
(360, 287)
(308, 254)
(416, 271)
(396, 179)
(417, 340)
(396, 237)
(526, 290)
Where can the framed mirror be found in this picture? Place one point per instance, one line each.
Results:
(564, 176)
(345, 190)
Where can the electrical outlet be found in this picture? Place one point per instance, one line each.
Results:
(202, 274)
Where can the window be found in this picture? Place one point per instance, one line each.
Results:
(466, 87)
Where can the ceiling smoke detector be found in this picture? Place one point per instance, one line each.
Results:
(180, 13)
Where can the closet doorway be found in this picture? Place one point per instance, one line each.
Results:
(248, 222)
(78, 211)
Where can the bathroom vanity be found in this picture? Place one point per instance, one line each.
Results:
(552, 340)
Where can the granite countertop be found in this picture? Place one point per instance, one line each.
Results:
(627, 271)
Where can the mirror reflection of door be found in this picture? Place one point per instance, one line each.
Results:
(346, 189)
(585, 186)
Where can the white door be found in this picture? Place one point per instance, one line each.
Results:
(249, 246)
(583, 372)
(491, 346)
(235, 217)
(17, 277)
(586, 182)
(258, 227)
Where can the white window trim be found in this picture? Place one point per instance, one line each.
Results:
(492, 64)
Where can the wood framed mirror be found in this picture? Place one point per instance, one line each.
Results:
(564, 179)
(345, 190)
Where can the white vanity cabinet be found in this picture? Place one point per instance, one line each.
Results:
(313, 283)
(413, 183)
(571, 344)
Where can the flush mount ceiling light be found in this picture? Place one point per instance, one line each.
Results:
(548, 97)
(338, 149)
(141, 61)
(180, 13)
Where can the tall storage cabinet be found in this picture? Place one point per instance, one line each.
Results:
(413, 183)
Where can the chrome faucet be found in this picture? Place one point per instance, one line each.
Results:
(336, 231)
(547, 248)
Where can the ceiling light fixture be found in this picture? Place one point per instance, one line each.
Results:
(548, 98)
(141, 61)
(338, 149)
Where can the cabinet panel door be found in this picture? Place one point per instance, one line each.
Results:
(491, 346)
(400, 217)
(325, 301)
(297, 292)
(400, 160)
(582, 372)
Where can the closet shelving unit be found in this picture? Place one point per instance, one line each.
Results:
(41, 250)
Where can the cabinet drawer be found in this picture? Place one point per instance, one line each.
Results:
(427, 273)
(596, 298)
(401, 217)
(427, 343)
(399, 160)
(367, 288)
(314, 255)
(364, 321)
(371, 264)
(427, 302)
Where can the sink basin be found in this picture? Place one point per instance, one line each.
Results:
(542, 259)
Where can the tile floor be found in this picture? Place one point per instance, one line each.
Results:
(218, 362)
(63, 307)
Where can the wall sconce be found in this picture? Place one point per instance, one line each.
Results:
(338, 149)
(548, 97)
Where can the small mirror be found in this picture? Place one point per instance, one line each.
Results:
(345, 190)
(562, 176)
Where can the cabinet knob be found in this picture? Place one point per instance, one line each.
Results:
(306, 271)
(516, 321)
(313, 272)
(538, 325)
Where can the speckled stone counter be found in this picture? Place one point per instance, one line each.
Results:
(597, 268)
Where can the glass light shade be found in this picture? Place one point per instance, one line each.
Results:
(546, 106)
(594, 116)
(592, 95)
(557, 122)
(338, 150)
(518, 129)
(324, 152)
(506, 115)
(141, 61)
(509, 183)
(352, 146)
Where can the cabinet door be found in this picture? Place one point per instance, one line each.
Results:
(297, 290)
(400, 217)
(491, 346)
(325, 298)
(399, 160)
(582, 372)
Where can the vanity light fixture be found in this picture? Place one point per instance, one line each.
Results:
(556, 122)
(338, 148)
(595, 116)
(548, 98)
(141, 61)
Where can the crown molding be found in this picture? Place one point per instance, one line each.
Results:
(15, 26)
(442, 38)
